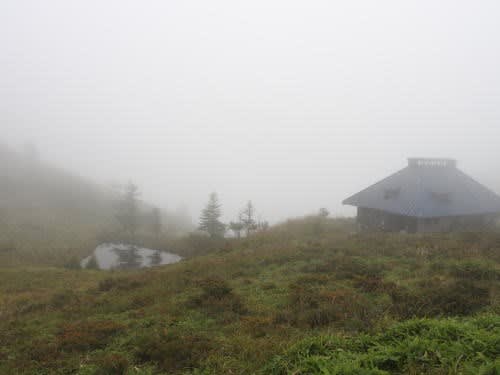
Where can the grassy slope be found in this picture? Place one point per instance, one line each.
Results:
(305, 297)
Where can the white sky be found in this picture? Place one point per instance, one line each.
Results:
(293, 104)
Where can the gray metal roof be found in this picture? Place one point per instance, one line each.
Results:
(428, 188)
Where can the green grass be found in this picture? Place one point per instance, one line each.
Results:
(429, 346)
(307, 296)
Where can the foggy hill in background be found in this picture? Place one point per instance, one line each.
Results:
(47, 210)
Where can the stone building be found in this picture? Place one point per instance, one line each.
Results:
(429, 195)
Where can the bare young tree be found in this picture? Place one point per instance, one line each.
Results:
(262, 225)
(247, 218)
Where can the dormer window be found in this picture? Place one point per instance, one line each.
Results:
(392, 193)
(443, 198)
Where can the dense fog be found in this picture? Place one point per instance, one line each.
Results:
(294, 105)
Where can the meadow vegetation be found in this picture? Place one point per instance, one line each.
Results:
(304, 297)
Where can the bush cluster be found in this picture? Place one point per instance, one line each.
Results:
(171, 350)
(315, 307)
(87, 335)
(123, 284)
(435, 297)
(217, 299)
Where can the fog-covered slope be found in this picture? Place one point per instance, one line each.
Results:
(48, 212)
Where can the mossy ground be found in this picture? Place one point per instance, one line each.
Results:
(308, 296)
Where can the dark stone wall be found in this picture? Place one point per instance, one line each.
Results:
(374, 220)
(370, 219)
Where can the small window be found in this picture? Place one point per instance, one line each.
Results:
(431, 221)
(391, 193)
(444, 198)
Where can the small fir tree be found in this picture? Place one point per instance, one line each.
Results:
(209, 219)
(127, 214)
(323, 212)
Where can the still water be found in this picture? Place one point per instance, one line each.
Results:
(124, 256)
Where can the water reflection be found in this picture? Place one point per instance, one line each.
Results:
(124, 256)
(128, 257)
(155, 258)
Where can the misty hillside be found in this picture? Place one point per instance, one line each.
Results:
(47, 210)
(304, 297)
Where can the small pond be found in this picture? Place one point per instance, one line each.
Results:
(123, 256)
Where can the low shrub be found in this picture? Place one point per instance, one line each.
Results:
(63, 298)
(217, 299)
(26, 306)
(436, 297)
(87, 335)
(371, 284)
(72, 264)
(214, 288)
(257, 326)
(474, 271)
(42, 350)
(171, 350)
(141, 301)
(351, 267)
(112, 364)
(196, 244)
(347, 267)
(123, 284)
(312, 280)
(314, 307)
(268, 286)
